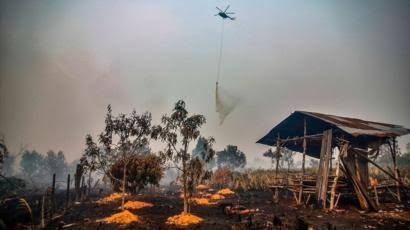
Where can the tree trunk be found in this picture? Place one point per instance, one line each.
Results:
(184, 181)
(124, 179)
(89, 183)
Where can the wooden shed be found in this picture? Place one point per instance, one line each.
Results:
(358, 141)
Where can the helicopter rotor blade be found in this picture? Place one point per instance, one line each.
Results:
(216, 15)
(226, 8)
(229, 13)
(219, 9)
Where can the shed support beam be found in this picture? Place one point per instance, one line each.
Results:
(303, 163)
(342, 151)
(393, 151)
(323, 174)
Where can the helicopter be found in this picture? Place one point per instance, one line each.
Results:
(223, 14)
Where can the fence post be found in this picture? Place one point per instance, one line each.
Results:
(67, 198)
(42, 224)
(52, 200)
(38, 209)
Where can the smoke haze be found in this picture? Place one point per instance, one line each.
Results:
(63, 62)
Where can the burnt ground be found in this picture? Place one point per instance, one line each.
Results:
(284, 215)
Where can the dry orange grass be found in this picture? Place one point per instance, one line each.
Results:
(184, 219)
(112, 197)
(225, 191)
(217, 197)
(136, 205)
(202, 201)
(124, 217)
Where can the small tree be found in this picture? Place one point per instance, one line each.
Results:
(178, 130)
(231, 157)
(79, 171)
(90, 158)
(56, 163)
(8, 165)
(271, 155)
(275, 157)
(3, 153)
(142, 170)
(288, 157)
(124, 136)
(33, 167)
(222, 177)
(200, 152)
(195, 171)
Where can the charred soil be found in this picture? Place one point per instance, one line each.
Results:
(242, 210)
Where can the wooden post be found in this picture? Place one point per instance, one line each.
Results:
(323, 174)
(67, 196)
(42, 222)
(38, 208)
(342, 151)
(277, 159)
(82, 188)
(376, 196)
(396, 170)
(276, 196)
(124, 181)
(53, 188)
(52, 200)
(377, 166)
(363, 197)
(303, 163)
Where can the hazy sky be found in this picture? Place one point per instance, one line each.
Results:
(62, 62)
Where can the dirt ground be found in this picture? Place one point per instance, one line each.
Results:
(284, 215)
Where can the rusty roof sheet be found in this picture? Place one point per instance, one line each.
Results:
(358, 132)
(357, 127)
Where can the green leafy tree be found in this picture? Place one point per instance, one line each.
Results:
(200, 152)
(90, 156)
(142, 170)
(9, 163)
(231, 157)
(177, 131)
(287, 157)
(56, 163)
(33, 167)
(124, 136)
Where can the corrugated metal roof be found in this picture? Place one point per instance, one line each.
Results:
(358, 132)
(358, 127)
